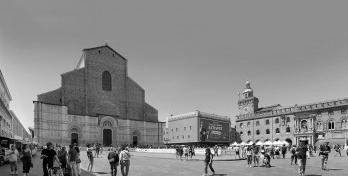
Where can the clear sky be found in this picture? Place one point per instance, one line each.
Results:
(186, 54)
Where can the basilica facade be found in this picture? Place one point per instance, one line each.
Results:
(313, 122)
(97, 103)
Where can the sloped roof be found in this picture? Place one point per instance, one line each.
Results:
(105, 46)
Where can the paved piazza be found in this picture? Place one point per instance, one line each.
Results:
(154, 164)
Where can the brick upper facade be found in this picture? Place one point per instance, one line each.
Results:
(81, 89)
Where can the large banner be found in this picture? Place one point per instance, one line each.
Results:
(213, 130)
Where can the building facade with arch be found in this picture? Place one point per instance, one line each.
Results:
(313, 122)
(97, 103)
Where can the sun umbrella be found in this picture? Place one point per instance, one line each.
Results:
(243, 143)
(268, 143)
(250, 143)
(259, 143)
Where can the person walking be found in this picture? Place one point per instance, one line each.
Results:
(125, 161)
(48, 155)
(26, 159)
(90, 159)
(302, 157)
(186, 152)
(208, 161)
(293, 155)
(72, 156)
(13, 158)
(324, 153)
(113, 160)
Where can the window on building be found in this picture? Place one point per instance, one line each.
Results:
(176, 129)
(344, 124)
(276, 120)
(331, 112)
(177, 137)
(257, 132)
(288, 129)
(267, 131)
(287, 119)
(106, 81)
(343, 111)
(249, 133)
(184, 128)
(172, 129)
(183, 136)
(190, 127)
(257, 123)
(267, 122)
(319, 126)
(277, 130)
(241, 125)
(331, 125)
(248, 124)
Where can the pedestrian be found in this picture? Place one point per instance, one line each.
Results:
(63, 158)
(272, 152)
(208, 161)
(338, 149)
(72, 156)
(186, 151)
(324, 153)
(302, 157)
(13, 158)
(113, 160)
(249, 156)
(125, 161)
(90, 159)
(293, 155)
(78, 160)
(237, 152)
(26, 160)
(283, 150)
(256, 152)
(277, 152)
(97, 148)
(48, 155)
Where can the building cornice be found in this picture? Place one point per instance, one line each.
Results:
(295, 109)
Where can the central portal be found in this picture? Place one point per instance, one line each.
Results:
(74, 138)
(107, 137)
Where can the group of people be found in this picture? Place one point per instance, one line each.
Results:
(119, 156)
(25, 157)
(186, 151)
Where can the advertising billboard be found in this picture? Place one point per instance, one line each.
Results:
(211, 130)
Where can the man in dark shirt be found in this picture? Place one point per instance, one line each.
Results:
(72, 156)
(283, 151)
(302, 157)
(48, 155)
(324, 153)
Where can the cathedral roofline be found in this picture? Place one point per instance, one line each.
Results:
(107, 46)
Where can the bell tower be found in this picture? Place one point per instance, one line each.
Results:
(248, 104)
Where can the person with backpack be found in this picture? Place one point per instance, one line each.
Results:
(302, 157)
(125, 161)
(293, 155)
(114, 161)
(283, 151)
(208, 161)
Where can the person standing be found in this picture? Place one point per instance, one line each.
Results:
(90, 159)
(302, 157)
(186, 151)
(125, 161)
(72, 155)
(208, 161)
(324, 153)
(78, 160)
(13, 158)
(48, 155)
(62, 156)
(249, 156)
(283, 151)
(293, 155)
(113, 160)
(26, 159)
(256, 152)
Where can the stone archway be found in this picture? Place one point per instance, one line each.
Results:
(107, 137)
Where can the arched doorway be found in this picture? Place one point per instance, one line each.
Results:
(107, 137)
(135, 140)
(289, 141)
(74, 138)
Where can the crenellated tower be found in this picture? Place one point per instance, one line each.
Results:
(248, 104)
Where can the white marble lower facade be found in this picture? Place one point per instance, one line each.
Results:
(53, 124)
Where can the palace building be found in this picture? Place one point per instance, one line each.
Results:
(313, 122)
(97, 103)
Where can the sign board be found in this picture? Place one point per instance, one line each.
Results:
(211, 130)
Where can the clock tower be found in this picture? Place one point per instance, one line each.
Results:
(247, 104)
